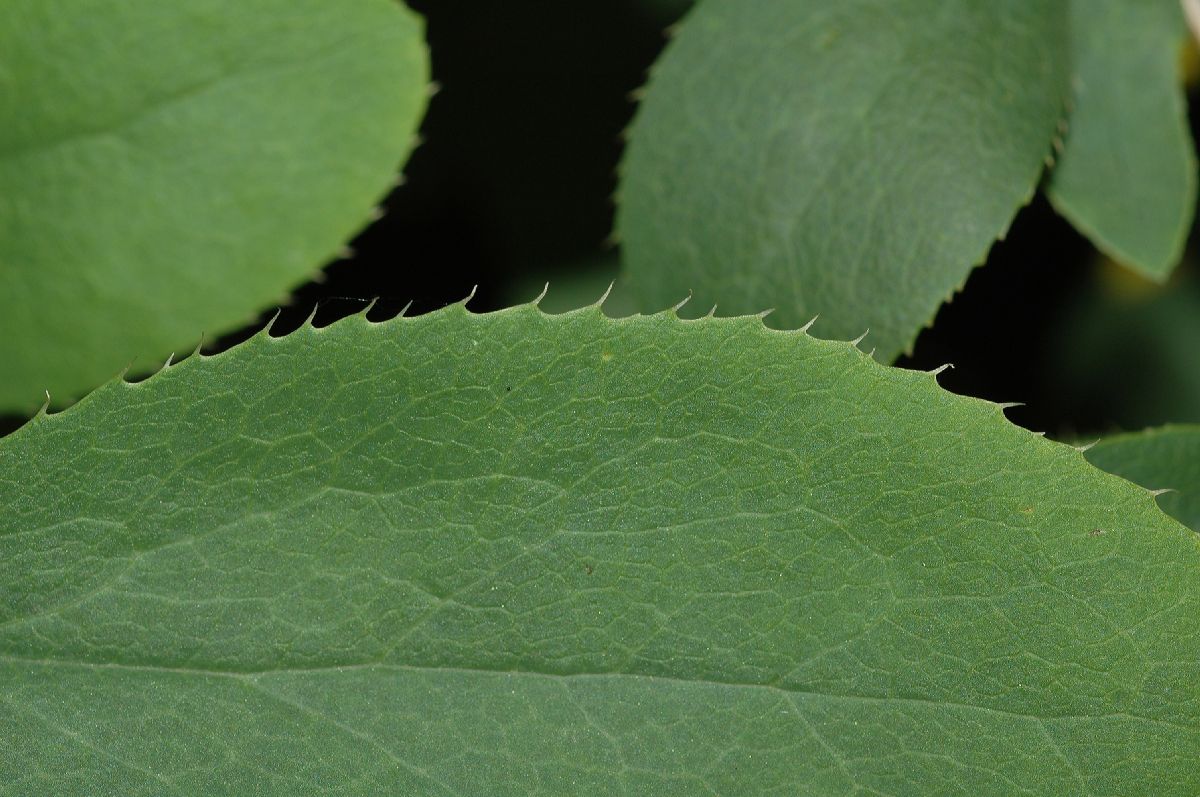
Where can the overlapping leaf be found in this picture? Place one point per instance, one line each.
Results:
(167, 169)
(1127, 176)
(524, 554)
(852, 159)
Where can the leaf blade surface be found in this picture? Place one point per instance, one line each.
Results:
(168, 170)
(849, 159)
(1166, 458)
(517, 553)
(1127, 175)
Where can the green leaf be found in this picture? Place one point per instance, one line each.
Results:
(1123, 355)
(1127, 175)
(1159, 459)
(530, 554)
(169, 169)
(852, 159)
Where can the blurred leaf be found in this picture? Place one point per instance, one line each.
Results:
(1158, 459)
(1127, 357)
(582, 284)
(1127, 175)
(169, 169)
(528, 554)
(852, 159)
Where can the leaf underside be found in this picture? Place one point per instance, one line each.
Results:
(529, 554)
(853, 159)
(1127, 175)
(1167, 458)
(167, 170)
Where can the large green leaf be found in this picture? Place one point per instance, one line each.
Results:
(1127, 176)
(848, 158)
(167, 169)
(529, 554)
(1160, 459)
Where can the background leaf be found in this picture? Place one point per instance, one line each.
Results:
(167, 170)
(1127, 175)
(848, 159)
(517, 553)
(1158, 459)
(1122, 355)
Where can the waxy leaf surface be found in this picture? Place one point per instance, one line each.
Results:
(848, 158)
(530, 554)
(169, 169)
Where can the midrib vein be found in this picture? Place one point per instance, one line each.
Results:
(789, 693)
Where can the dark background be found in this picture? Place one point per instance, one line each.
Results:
(512, 187)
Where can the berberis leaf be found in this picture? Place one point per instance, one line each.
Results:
(1167, 458)
(848, 158)
(1127, 176)
(168, 169)
(530, 554)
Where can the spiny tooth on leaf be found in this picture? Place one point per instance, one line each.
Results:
(678, 307)
(600, 302)
(542, 295)
(860, 339)
(271, 323)
(808, 326)
(938, 371)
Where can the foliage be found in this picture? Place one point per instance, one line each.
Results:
(182, 165)
(509, 552)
